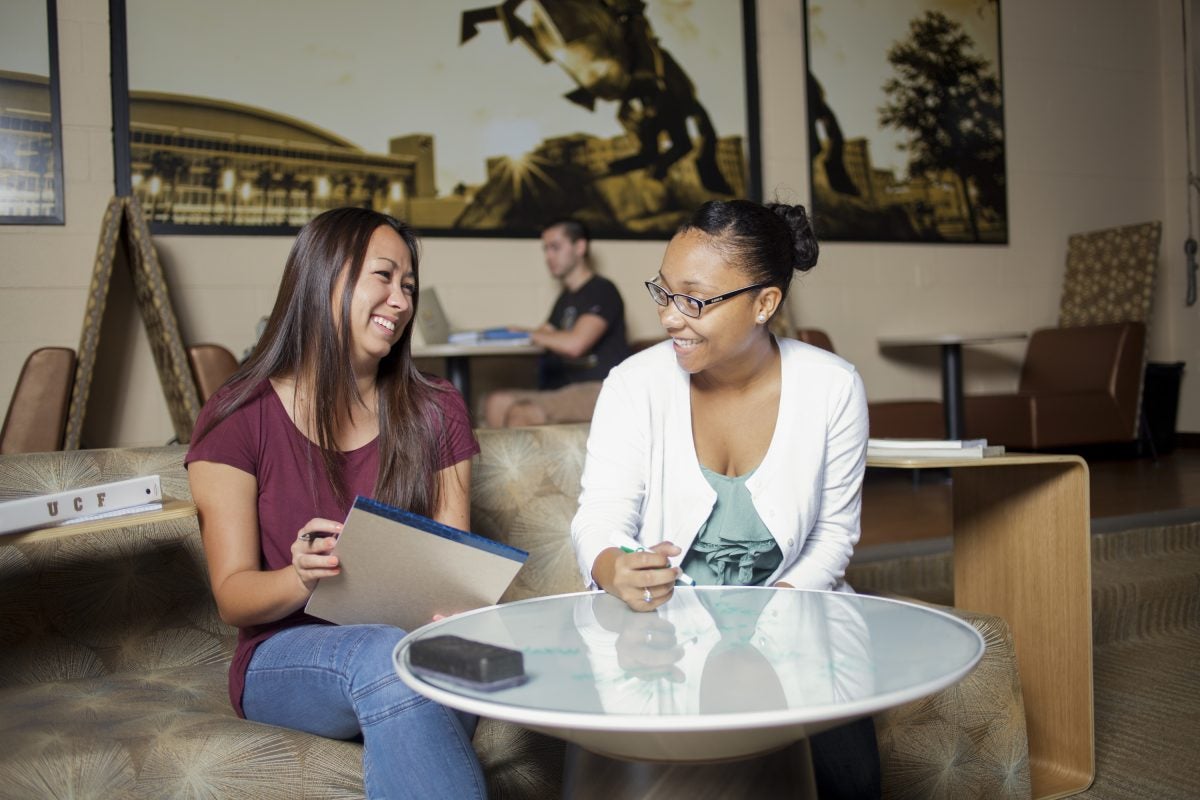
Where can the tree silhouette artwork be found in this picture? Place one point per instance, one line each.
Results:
(947, 98)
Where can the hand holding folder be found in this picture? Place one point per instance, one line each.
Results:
(400, 568)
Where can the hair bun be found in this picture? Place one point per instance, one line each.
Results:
(804, 242)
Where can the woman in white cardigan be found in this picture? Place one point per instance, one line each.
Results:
(724, 399)
(726, 453)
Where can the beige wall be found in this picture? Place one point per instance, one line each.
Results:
(1095, 127)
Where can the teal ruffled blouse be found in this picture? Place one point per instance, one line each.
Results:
(733, 547)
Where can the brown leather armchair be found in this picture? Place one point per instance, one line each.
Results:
(37, 414)
(1078, 386)
(211, 365)
(890, 419)
(816, 337)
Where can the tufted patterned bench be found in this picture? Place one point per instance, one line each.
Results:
(113, 659)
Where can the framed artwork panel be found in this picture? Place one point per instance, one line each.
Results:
(464, 118)
(31, 175)
(906, 121)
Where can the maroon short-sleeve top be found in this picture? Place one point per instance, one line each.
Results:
(261, 439)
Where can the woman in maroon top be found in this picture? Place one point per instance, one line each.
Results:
(329, 406)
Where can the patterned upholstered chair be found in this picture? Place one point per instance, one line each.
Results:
(113, 659)
(1110, 276)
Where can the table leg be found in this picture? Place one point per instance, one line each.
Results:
(458, 370)
(952, 391)
(1022, 551)
(784, 773)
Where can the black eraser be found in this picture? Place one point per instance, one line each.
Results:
(467, 660)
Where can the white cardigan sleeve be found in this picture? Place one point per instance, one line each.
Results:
(614, 475)
(830, 543)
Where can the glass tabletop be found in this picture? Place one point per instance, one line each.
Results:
(711, 658)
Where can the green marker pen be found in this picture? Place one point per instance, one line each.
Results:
(684, 578)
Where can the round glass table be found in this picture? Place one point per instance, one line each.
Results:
(718, 674)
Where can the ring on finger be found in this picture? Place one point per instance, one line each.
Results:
(649, 598)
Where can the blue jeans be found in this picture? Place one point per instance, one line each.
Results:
(339, 682)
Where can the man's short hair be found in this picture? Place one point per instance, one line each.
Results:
(573, 228)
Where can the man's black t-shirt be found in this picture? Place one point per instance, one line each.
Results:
(598, 296)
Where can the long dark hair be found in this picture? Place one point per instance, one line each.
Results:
(302, 340)
(768, 242)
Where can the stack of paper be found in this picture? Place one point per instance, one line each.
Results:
(932, 448)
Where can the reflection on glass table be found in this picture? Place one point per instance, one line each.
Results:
(727, 652)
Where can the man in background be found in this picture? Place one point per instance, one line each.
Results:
(584, 338)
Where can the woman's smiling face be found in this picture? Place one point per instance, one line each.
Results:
(724, 331)
(381, 304)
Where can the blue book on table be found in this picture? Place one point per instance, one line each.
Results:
(490, 336)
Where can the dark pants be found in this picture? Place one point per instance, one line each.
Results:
(846, 762)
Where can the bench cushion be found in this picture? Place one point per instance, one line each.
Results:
(113, 660)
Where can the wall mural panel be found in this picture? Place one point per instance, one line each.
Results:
(465, 119)
(906, 121)
(31, 187)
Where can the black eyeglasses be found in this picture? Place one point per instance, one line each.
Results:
(690, 306)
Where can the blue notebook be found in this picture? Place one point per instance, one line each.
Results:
(490, 336)
(400, 568)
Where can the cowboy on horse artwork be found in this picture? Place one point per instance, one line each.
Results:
(609, 50)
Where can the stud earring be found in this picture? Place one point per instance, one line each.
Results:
(762, 318)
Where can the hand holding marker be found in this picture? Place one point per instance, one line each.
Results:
(684, 578)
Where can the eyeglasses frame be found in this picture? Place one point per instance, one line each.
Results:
(702, 304)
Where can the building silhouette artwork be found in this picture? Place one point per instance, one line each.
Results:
(196, 161)
(27, 152)
(934, 208)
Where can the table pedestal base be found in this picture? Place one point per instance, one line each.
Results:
(783, 773)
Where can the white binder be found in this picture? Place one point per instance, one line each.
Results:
(48, 510)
